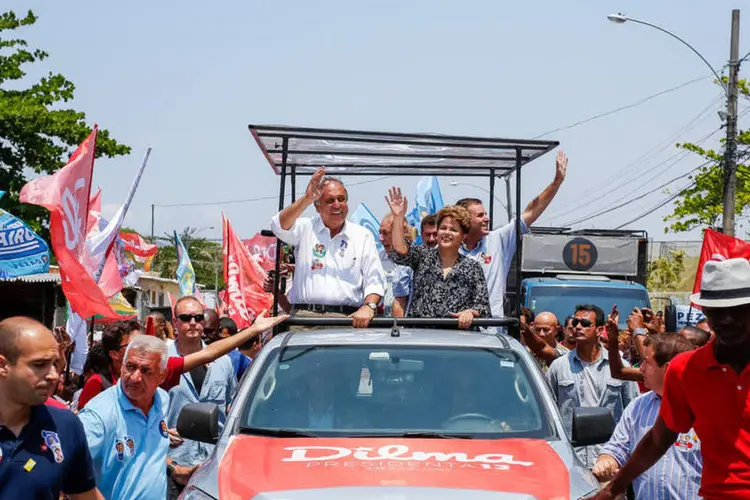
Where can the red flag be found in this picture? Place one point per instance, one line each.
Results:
(66, 195)
(95, 213)
(718, 246)
(171, 302)
(244, 280)
(263, 248)
(136, 245)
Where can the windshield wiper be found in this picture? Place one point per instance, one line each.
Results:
(433, 435)
(262, 431)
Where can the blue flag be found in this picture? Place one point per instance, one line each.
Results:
(22, 251)
(367, 219)
(185, 272)
(429, 199)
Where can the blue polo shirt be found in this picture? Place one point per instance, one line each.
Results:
(129, 449)
(50, 456)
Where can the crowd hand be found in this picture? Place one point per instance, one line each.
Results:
(636, 320)
(264, 323)
(397, 202)
(605, 468)
(314, 188)
(656, 325)
(182, 473)
(268, 284)
(361, 318)
(613, 327)
(561, 167)
(174, 438)
(465, 318)
(604, 494)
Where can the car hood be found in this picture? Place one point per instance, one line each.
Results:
(258, 468)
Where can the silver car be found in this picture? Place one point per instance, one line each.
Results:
(392, 414)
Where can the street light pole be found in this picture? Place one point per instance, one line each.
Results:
(730, 150)
(731, 91)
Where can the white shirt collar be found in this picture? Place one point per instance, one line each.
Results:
(319, 227)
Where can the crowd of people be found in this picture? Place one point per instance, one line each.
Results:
(679, 399)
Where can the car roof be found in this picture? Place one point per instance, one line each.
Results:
(407, 336)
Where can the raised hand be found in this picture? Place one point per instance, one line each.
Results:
(314, 189)
(561, 166)
(613, 326)
(397, 202)
(263, 322)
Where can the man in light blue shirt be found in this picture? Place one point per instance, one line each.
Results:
(212, 383)
(397, 278)
(126, 427)
(494, 249)
(582, 378)
(677, 475)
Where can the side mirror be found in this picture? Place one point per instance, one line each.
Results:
(591, 426)
(199, 422)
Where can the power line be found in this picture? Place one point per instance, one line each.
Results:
(249, 200)
(633, 200)
(658, 206)
(623, 108)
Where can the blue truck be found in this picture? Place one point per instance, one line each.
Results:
(561, 268)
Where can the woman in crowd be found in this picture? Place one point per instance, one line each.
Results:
(445, 284)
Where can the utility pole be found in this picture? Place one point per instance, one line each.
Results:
(730, 150)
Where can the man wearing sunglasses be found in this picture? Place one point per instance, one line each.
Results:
(707, 389)
(582, 377)
(205, 383)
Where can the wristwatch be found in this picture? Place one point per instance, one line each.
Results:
(372, 305)
(639, 331)
(170, 470)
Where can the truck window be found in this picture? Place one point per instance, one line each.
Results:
(562, 300)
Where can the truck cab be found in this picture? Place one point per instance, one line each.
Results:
(562, 268)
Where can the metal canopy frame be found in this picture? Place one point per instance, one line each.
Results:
(293, 151)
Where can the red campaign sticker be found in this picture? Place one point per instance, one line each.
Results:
(522, 466)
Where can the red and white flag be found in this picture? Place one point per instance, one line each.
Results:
(718, 246)
(244, 278)
(66, 195)
(136, 245)
(263, 248)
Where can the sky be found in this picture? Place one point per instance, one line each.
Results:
(187, 79)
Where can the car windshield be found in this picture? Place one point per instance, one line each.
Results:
(562, 301)
(395, 391)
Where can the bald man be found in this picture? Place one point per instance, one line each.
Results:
(541, 339)
(696, 336)
(397, 278)
(160, 325)
(210, 326)
(43, 450)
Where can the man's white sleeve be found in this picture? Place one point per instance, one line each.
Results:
(373, 275)
(293, 235)
(506, 240)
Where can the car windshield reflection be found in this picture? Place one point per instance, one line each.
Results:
(419, 392)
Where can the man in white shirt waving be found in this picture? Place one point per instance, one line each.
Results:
(494, 249)
(338, 270)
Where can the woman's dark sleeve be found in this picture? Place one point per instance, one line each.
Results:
(411, 259)
(480, 296)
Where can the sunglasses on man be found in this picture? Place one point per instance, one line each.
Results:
(586, 323)
(185, 318)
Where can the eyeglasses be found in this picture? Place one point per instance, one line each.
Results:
(185, 318)
(581, 321)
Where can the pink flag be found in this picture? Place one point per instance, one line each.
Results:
(66, 195)
(245, 297)
(263, 248)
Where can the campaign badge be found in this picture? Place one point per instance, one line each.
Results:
(688, 442)
(342, 247)
(52, 440)
(317, 264)
(319, 251)
(119, 449)
(130, 444)
(486, 258)
(163, 429)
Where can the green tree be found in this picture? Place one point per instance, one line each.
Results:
(665, 273)
(37, 131)
(205, 256)
(701, 205)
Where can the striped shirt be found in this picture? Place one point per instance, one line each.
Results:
(677, 475)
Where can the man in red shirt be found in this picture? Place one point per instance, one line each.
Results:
(708, 390)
